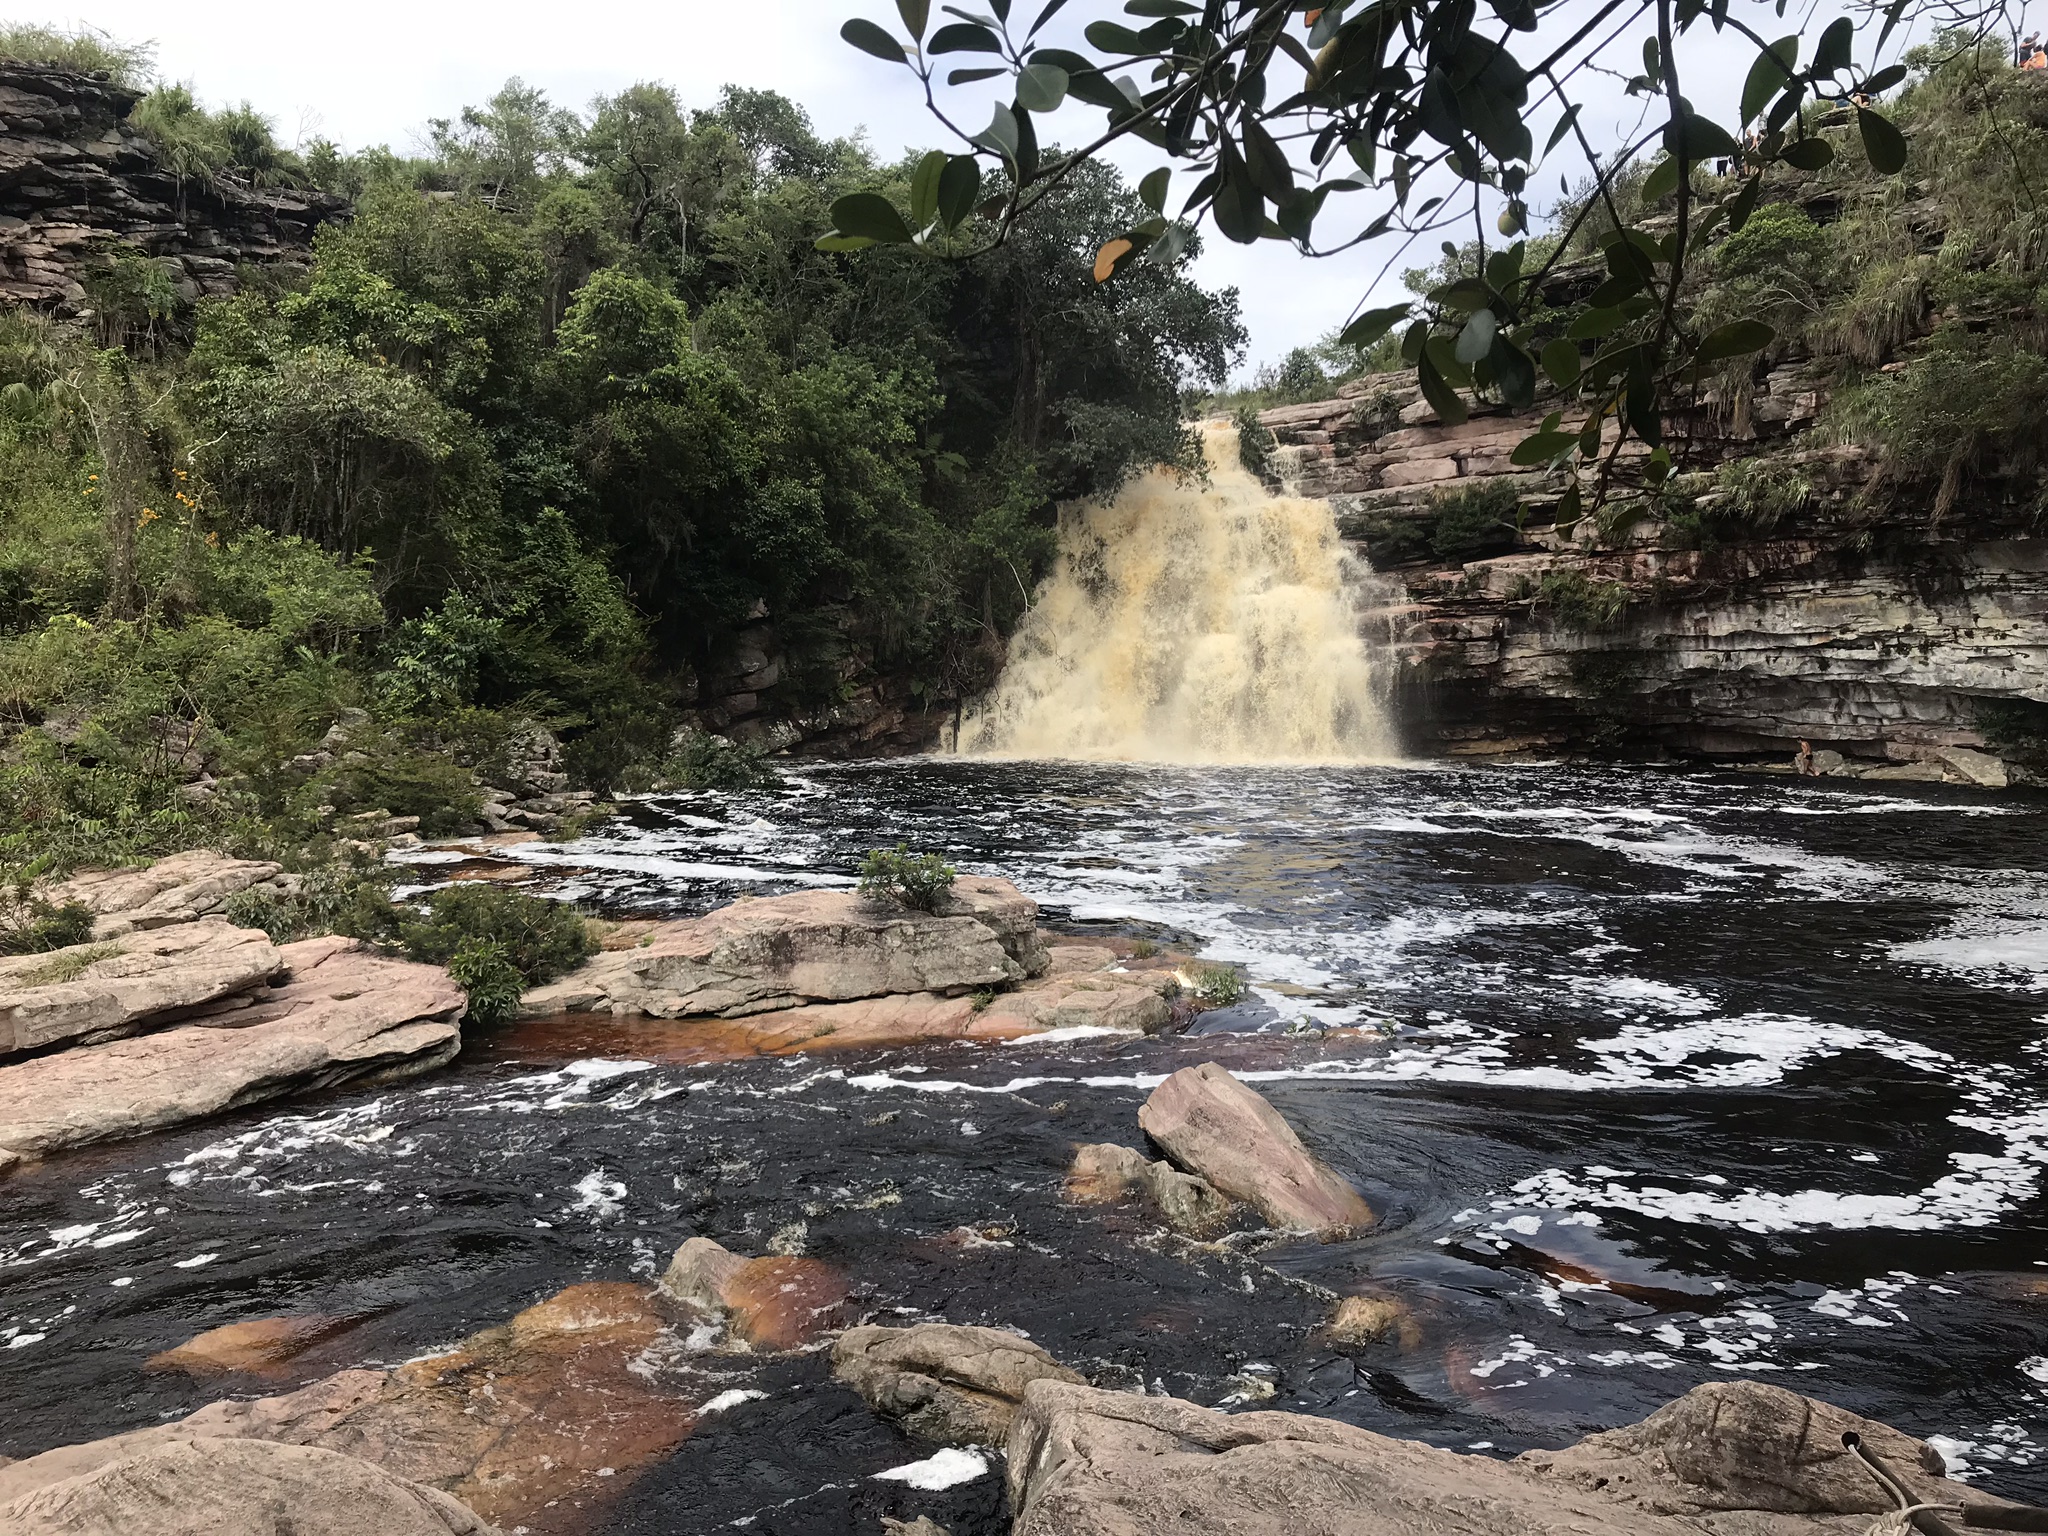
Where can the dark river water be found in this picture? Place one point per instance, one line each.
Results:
(1683, 1076)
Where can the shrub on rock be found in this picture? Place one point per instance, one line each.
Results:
(919, 880)
(496, 943)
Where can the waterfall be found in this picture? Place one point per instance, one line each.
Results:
(1195, 623)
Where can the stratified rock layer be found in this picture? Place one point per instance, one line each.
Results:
(1730, 1459)
(943, 1381)
(812, 947)
(105, 990)
(345, 1014)
(1212, 1125)
(180, 889)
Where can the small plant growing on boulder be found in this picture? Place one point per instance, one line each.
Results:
(496, 943)
(31, 924)
(1218, 986)
(918, 880)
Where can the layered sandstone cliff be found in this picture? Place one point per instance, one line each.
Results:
(1854, 621)
(78, 183)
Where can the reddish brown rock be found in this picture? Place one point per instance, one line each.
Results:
(1212, 1125)
(260, 1346)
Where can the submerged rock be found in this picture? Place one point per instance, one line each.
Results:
(811, 947)
(108, 989)
(346, 1014)
(186, 1485)
(1104, 1173)
(524, 1423)
(943, 1381)
(773, 1303)
(180, 889)
(259, 1346)
(1211, 1124)
(1736, 1458)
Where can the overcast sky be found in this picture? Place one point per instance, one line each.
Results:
(374, 71)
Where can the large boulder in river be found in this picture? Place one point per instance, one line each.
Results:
(1104, 1173)
(1212, 1125)
(1730, 1458)
(777, 1302)
(106, 990)
(346, 1014)
(955, 1384)
(193, 1485)
(811, 947)
(180, 889)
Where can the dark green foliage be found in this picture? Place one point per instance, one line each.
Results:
(1389, 538)
(353, 899)
(917, 880)
(30, 924)
(383, 773)
(497, 942)
(704, 761)
(1476, 521)
(2016, 729)
(1255, 442)
(1574, 600)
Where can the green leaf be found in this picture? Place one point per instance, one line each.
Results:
(1882, 142)
(1808, 154)
(1564, 126)
(1450, 410)
(1152, 190)
(1476, 339)
(1767, 76)
(915, 14)
(1111, 37)
(1412, 343)
(1884, 79)
(1831, 56)
(924, 188)
(1041, 87)
(1542, 447)
(1594, 322)
(1167, 249)
(1513, 372)
(1240, 212)
(1371, 326)
(869, 216)
(1267, 162)
(1699, 138)
(959, 186)
(963, 37)
(837, 242)
(869, 38)
(1733, 340)
(1051, 10)
(969, 76)
(1743, 204)
(1662, 180)
(1560, 361)
(1001, 133)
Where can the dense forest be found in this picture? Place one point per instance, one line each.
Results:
(558, 408)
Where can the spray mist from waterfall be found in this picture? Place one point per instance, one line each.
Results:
(1193, 623)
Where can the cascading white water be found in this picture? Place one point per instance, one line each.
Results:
(1194, 623)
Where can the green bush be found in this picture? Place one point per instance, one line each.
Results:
(1475, 521)
(918, 880)
(1218, 986)
(495, 937)
(1577, 602)
(31, 924)
(407, 781)
(1389, 538)
(1255, 443)
(352, 899)
(704, 761)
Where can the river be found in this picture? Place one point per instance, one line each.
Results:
(1666, 1077)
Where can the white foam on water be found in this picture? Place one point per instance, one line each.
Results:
(730, 1399)
(948, 1469)
(599, 1195)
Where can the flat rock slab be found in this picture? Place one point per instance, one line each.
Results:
(1212, 1125)
(195, 1485)
(346, 1014)
(947, 1382)
(109, 989)
(1735, 1459)
(528, 1424)
(779, 952)
(179, 889)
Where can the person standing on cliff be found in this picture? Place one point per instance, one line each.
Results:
(1802, 760)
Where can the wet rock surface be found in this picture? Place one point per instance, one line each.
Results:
(944, 1382)
(1214, 1126)
(345, 1014)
